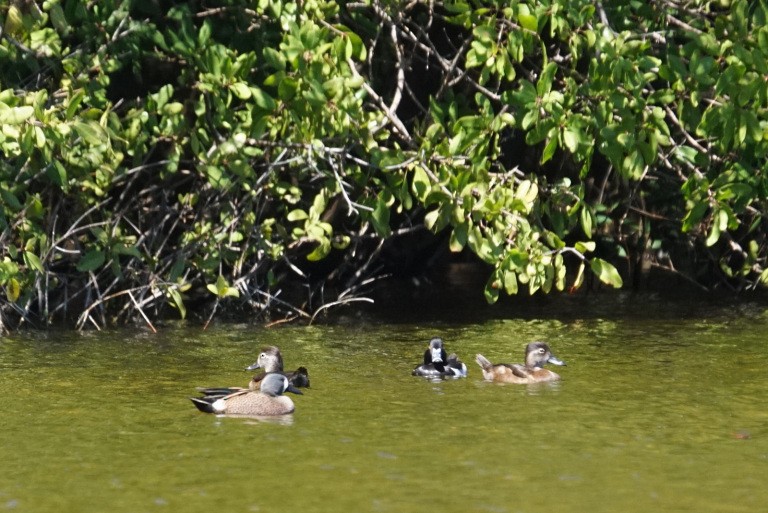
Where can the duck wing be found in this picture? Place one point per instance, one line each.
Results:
(218, 391)
(517, 369)
(299, 377)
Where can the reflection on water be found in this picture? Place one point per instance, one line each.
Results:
(281, 420)
(655, 412)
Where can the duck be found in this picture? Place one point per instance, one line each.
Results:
(271, 360)
(268, 401)
(437, 364)
(536, 355)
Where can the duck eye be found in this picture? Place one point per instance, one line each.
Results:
(541, 350)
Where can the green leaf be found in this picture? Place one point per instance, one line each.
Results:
(241, 90)
(10, 200)
(430, 219)
(13, 290)
(15, 115)
(263, 100)
(74, 103)
(510, 282)
(90, 131)
(297, 215)
(380, 218)
(544, 85)
(33, 261)
(764, 278)
(458, 237)
(173, 108)
(549, 150)
(222, 288)
(91, 261)
(528, 21)
(204, 35)
(579, 280)
(571, 140)
(606, 272)
(321, 251)
(694, 216)
(586, 220)
(58, 20)
(525, 18)
(177, 269)
(120, 248)
(526, 95)
(492, 290)
(714, 229)
(420, 184)
(585, 247)
(177, 301)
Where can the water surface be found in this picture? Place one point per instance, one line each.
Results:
(657, 411)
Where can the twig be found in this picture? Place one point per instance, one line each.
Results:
(213, 312)
(339, 302)
(391, 116)
(146, 319)
(86, 313)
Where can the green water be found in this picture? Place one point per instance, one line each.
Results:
(655, 412)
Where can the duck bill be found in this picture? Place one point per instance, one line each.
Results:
(253, 366)
(436, 353)
(292, 389)
(555, 361)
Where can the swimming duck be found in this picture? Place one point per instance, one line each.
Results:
(269, 400)
(536, 355)
(271, 360)
(439, 365)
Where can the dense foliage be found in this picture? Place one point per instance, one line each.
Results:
(269, 152)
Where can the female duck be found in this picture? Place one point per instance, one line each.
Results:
(536, 355)
(271, 360)
(439, 365)
(269, 400)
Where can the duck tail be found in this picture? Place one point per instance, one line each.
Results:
(204, 404)
(300, 378)
(483, 362)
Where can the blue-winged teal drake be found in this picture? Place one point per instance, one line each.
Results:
(437, 364)
(269, 400)
(536, 355)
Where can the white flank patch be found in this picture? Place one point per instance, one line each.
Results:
(219, 405)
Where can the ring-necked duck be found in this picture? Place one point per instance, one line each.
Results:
(269, 400)
(271, 360)
(437, 364)
(536, 355)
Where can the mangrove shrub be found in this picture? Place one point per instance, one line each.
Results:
(269, 153)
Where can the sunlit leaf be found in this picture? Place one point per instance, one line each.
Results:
(177, 301)
(296, 215)
(15, 115)
(380, 218)
(241, 90)
(33, 261)
(606, 272)
(90, 131)
(12, 290)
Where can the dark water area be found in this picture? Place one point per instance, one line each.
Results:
(663, 406)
